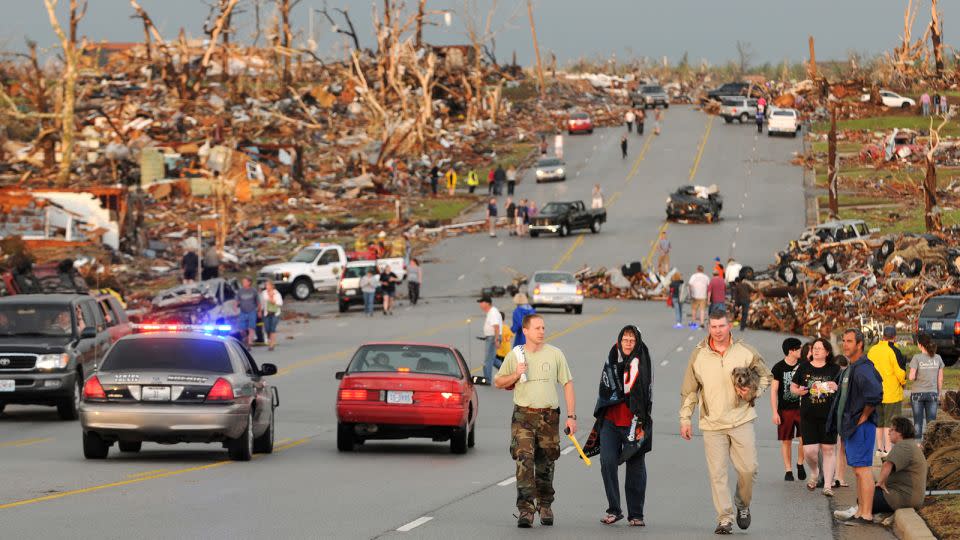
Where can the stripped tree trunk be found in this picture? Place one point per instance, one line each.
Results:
(832, 164)
(70, 56)
(536, 49)
(936, 37)
(931, 214)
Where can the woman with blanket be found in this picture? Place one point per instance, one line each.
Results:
(624, 426)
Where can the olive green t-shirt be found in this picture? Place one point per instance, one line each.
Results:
(545, 368)
(908, 481)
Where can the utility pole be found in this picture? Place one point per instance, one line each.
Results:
(536, 49)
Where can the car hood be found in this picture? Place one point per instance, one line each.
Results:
(285, 267)
(34, 344)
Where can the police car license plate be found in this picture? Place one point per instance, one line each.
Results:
(937, 325)
(155, 393)
(401, 398)
(8, 385)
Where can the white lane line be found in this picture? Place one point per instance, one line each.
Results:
(734, 245)
(746, 194)
(341, 325)
(594, 147)
(679, 349)
(500, 243)
(738, 229)
(414, 524)
(578, 173)
(665, 362)
(566, 450)
(690, 338)
(508, 481)
(461, 277)
(739, 216)
(482, 259)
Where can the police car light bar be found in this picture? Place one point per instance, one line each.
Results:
(203, 328)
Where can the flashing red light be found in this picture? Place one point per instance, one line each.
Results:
(92, 389)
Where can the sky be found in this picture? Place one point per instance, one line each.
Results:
(776, 30)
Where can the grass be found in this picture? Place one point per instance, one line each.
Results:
(888, 123)
(843, 147)
(514, 154)
(942, 515)
(906, 220)
(439, 209)
(909, 174)
(852, 200)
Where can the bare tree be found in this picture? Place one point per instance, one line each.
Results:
(285, 37)
(536, 49)
(350, 31)
(71, 56)
(931, 214)
(832, 162)
(936, 38)
(744, 56)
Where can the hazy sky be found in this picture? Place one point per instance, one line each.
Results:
(706, 29)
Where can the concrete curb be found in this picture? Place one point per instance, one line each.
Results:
(908, 525)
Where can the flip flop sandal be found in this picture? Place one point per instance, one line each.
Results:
(637, 523)
(812, 485)
(610, 519)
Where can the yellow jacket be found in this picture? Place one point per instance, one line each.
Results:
(506, 341)
(708, 382)
(451, 178)
(885, 360)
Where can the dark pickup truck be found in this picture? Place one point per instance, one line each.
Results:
(563, 217)
(728, 89)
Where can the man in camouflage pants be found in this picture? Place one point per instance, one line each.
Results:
(532, 372)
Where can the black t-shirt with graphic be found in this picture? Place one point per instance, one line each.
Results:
(784, 373)
(813, 403)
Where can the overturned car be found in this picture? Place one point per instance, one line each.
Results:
(208, 302)
(695, 203)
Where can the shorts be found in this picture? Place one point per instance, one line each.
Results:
(698, 303)
(886, 413)
(389, 292)
(270, 322)
(789, 427)
(814, 430)
(247, 320)
(859, 447)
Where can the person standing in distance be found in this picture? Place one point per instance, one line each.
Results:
(492, 334)
(726, 416)
(535, 428)
(699, 282)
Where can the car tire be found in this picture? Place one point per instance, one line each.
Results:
(345, 437)
(472, 438)
(570, 132)
(343, 307)
(301, 288)
(2, 407)
(94, 447)
(829, 261)
(563, 230)
(595, 226)
(886, 248)
(534, 234)
(568, 309)
(727, 120)
(914, 267)
(666, 105)
(788, 274)
(69, 408)
(949, 359)
(578, 310)
(590, 131)
(459, 440)
(747, 273)
(241, 448)
(744, 118)
(264, 443)
(130, 446)
(904, 105)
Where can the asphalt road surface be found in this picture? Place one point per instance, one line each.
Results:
(417, 489)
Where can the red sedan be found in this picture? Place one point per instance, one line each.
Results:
(405, 390)
(579, 122)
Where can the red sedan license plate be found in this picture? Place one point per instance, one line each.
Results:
(400, 398)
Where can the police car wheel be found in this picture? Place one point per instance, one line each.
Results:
(264, 443)
(94, 447)
(302, 289)
(241, 448)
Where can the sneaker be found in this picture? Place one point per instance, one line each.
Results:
(743, 518)
(678, 325)
(801, 472)
(845, 514)
(546, 516)
(694, 326)
(788, 476)
(525, 520)
(724, 527)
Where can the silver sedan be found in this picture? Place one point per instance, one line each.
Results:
(551, 169)
(556, 289)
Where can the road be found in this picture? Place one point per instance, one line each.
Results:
(306, 489)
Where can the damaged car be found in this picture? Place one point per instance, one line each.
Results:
(208, 302)
(695, 203)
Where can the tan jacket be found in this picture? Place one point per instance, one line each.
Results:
(709, 382)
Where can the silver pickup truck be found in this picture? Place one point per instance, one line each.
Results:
(651, 96)
(738, 108)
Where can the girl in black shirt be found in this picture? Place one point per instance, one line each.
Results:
(815, 383)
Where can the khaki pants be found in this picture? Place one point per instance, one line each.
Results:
(663, 263)
(739, 446)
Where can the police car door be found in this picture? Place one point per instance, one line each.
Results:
(260, 391)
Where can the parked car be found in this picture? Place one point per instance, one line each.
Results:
(564, 217)
(579, 122)
(728, 89)
(314, 268)
(697, 203)
(742, 109)
(407, 390)
(556, 289)
(783, 121)
(651, 96)
(892, 99)
(940, 318)
(348, 290)
(173, 387)
(48, 344)
(550, 168)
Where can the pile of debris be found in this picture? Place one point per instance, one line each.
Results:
(629, 281)
(941, 446)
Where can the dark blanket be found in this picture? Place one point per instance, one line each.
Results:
(612, 391)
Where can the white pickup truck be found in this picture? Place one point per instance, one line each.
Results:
(783, 121)
(348, 290)
(316, 267)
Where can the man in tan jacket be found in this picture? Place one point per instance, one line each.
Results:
(726, 416)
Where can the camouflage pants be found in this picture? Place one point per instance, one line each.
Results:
(535, 446)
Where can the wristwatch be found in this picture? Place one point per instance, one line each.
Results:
(572, 416)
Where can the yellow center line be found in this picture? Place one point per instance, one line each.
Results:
(703, 144)
(146, 473)
(566, 256)
(140, 479)
(25, 442)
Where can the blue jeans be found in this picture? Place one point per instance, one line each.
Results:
(924, 406)
(678, 310)
(612, 439)
(716, 306)
(489, 358)
(368, 299)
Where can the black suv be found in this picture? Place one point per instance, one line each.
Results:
(48, 344)
(728, 89)
(940, 318)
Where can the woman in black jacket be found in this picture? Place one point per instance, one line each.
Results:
(624, 426)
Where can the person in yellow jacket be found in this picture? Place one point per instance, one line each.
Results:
(506, 343)
(885, 361)
(472, 180)
(451, 178)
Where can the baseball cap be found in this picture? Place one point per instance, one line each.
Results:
(889, 332)
(486, 299)
(791, 344)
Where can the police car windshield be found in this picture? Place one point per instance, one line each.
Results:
(306, 255)
(405, 359)
(35, 320)
(168, 354)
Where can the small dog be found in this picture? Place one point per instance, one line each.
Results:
(747, 378)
